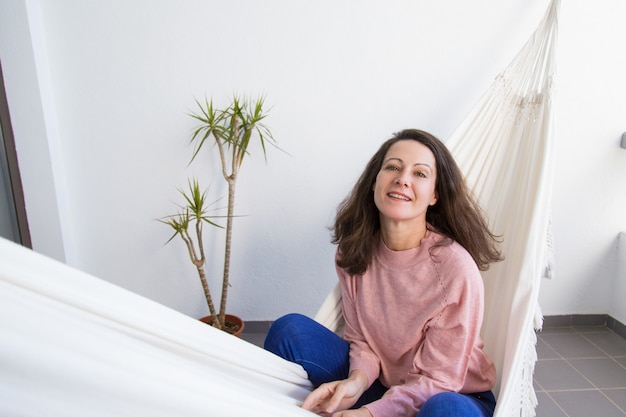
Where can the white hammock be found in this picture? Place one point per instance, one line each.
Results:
(505, 149)
(74, 345)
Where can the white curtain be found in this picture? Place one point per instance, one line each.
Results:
(74, 345)
(505, 149)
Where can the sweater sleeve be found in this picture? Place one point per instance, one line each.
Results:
(361, 355)
(441, 362)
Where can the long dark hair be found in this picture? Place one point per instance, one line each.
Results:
(455, 215)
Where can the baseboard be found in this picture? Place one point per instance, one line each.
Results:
(617, 326)
(585, 320)
(257, 326)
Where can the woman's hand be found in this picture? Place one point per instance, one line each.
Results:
(361, 412)
(335, 396)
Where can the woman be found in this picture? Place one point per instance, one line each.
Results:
(411, 241)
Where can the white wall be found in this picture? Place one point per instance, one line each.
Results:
(590, 186)
(117, 78)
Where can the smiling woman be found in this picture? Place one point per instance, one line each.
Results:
(453, 211)
(403, 192)
(408, 269)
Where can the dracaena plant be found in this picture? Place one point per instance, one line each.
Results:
(193, 215)
(230, 130)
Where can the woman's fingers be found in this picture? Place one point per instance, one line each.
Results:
(333, 403)
(317, 400)
(333, 396)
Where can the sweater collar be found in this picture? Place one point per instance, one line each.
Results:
(405, 258)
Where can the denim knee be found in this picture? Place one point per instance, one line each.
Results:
(282, 330)
(302, 340)
(452, 404)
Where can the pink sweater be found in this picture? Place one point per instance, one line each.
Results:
(413, 321)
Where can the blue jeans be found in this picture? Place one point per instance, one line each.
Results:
(325, 357)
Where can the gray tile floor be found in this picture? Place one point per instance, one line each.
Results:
(581, 371)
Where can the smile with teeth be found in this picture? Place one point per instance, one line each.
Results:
(399, 196)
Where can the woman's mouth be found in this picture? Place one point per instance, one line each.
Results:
(399, 196)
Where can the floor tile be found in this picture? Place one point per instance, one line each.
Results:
(618, 396)
(603, 372)
(559, 375)
(586, 404)
(572, 345)
(544, 351)
(609, 342)
(546, 406)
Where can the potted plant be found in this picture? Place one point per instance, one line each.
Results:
(231, 130)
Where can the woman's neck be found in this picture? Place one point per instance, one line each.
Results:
(402, 236)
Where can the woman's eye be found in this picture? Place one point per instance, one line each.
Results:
(420, 174)
(392, 168)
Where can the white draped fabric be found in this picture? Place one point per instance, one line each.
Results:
(74, 345)
(505, 149)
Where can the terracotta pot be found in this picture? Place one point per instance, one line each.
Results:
(234, 325)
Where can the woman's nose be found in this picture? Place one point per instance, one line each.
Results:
(402, 178)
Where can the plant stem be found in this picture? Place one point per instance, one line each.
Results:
(205, 286)
(199, 263)
(229, 232)
(231, 180)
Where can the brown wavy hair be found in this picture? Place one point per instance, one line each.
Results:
(455, 215)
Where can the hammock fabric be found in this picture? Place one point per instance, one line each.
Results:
(74, 345)
(505, 149)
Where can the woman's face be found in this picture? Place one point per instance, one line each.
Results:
(405, 184)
